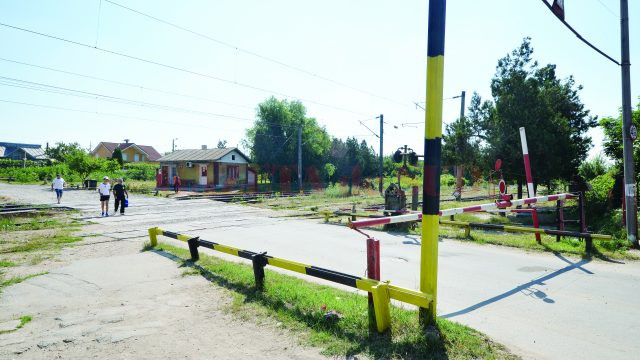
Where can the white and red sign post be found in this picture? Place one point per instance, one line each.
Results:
(527, 171)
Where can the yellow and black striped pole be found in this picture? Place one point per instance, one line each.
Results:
(432, 144)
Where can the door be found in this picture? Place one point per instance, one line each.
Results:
(172, 173)
(203, 174)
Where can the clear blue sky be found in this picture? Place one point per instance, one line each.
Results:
(375, 46)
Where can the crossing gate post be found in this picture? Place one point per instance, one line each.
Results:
(373, 261)
(353, 212)
(153, 237)
(536, 223)
(381, 304)
(193, 248)
(414, 198)
(588, 241)
(560, 217)
(259, 261)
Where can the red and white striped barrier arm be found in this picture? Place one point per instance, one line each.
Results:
(454, 211)
(527, 164)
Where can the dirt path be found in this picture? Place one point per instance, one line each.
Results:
(104, 299)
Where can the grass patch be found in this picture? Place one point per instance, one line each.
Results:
(146, 246)
(7, 264)
(300, 306)
(23, 321)
(17, 279)
(54, 241)
(37, 223)
(603, 249)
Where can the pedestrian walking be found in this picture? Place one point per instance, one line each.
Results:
(119, 192)
(105, 191)
(176, 183)
(58, 186)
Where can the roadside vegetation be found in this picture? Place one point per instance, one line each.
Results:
(75, 166)
(23, 321)
(28, 240)
(302, 308)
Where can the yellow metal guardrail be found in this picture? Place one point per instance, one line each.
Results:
(382, 292)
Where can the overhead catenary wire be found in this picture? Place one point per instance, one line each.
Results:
(252, 53)
(29, 85)
(180, 69)
(61, 108)
(121, 83)
(86, 94)
(608, 9)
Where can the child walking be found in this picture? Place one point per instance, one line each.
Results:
(105, 191)
(119, 192)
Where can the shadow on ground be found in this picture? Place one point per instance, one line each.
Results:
(428, 344)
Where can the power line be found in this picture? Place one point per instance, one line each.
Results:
(89, 95)
(29, 85)
(118, 115)
(136, 86)
(608, 9)
(74, 92)
(249, 52)
(208, 76)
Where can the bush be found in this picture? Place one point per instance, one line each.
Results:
(597, 203)
(8, 163)
(141, 171)
(593, 168)
(447, 180)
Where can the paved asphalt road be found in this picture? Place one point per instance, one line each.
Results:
(542, 306)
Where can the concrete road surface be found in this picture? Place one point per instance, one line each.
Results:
(542, 306)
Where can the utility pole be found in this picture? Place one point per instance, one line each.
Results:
(432, 155)
(461, 96)
(381, 153)
(300, 158)
(629, 131)
(173, 144)
(459, 168)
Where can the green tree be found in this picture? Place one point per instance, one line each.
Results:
(329, 170)
(222, 144)
(272, 139)
(117, 156)
(82, 164)
(593, 168)
(612, 144)
(60, 151)
(556, 121)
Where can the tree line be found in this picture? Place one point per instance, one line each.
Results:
(524, 94)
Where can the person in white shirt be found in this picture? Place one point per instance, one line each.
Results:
(58, 186)
(105, 191)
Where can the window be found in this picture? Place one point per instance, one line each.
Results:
(124, 157)
(233, 157)
(233, 172)
(136, 157)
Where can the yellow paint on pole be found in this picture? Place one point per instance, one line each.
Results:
(429, 261)
(432, 154)
(153, 237)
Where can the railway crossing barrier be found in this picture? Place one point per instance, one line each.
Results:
(381, 292)
(490, 207)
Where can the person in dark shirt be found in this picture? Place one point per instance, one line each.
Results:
(119, 192)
